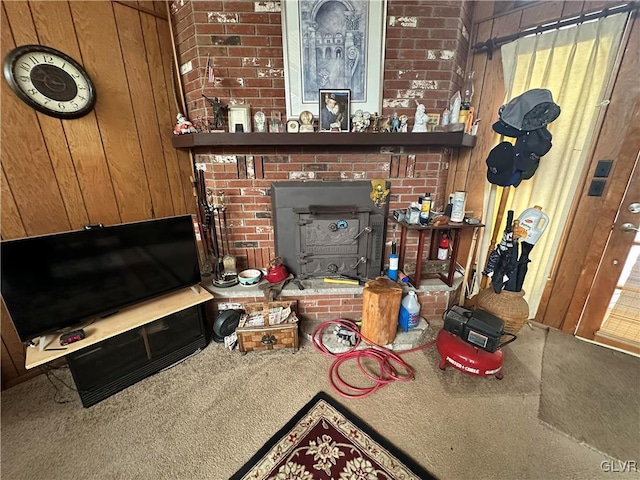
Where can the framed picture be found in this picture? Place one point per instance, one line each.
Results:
(335, 110)
(433, 120)
(239, 118)
(333, 46)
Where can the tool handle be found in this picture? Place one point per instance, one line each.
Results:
(508, 341)
(341, 280)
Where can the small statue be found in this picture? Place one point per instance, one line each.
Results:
(403, 123)
(218, 111)
(375, 118)
(420, 122)
(379, 192)
(384, 125)
(183, 125)
(395, 123)
(358, 123)
(367, 120)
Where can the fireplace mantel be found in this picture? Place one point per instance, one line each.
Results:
(325, 139)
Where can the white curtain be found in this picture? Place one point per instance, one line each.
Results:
(575, 64)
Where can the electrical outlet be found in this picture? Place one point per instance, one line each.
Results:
(603, 169)
(596, 188)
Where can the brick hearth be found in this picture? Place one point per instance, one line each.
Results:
(320, 301)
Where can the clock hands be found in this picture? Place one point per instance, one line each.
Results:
(53, 83)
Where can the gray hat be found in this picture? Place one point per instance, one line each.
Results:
(531, 110)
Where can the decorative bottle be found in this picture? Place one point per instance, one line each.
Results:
(467, 89)
(425, 209)
(444, 119)
(457, 210)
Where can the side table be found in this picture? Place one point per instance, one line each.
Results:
(454, 237)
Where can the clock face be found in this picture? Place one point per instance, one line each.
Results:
(49, 81)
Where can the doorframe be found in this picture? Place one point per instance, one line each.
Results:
(587, 231)
(609, 270)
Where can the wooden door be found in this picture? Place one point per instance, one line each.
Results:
(612, 312)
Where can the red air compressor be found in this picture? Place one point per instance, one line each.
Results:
(470, 342)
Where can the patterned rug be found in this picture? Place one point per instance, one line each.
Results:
(325, 441)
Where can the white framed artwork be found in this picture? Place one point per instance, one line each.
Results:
(239, 115)
(333, 45)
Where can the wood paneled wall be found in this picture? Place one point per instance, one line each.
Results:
(115, 164)
(492, 20)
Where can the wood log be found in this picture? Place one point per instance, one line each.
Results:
(380, 308)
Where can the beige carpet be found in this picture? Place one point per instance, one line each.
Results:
(204, 418)
(593, 394)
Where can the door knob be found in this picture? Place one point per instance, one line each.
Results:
(629, 227)
(634, 207)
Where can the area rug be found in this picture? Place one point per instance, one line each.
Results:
(592, 393)
(326, 441)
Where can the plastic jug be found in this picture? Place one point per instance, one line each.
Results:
(409, 311)
(535, 222)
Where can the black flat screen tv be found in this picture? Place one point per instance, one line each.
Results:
(54, 282)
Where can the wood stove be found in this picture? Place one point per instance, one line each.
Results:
(325, 229)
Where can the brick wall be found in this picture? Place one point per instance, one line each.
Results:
(425, 54)
(349, 306)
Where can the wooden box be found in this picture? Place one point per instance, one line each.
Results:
(268, 336)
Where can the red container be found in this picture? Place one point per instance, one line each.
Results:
(276, 271)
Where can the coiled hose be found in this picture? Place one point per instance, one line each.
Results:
(391, 367)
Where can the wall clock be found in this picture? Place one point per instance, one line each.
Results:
(49, 81)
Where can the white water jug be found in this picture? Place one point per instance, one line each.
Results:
(409, 316)
(535, 222)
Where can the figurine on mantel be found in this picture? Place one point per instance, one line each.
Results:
(360, 121)
(384, 125)
(395, 123)
(403, 123)
(420, 122)
(218, 112)
(183, 125)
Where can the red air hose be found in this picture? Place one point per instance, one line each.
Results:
(391, 367)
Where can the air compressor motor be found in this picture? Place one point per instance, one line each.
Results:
(477, 327)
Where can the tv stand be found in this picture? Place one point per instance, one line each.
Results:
(132, 344)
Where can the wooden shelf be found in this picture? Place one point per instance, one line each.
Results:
(324, 139)
(422, 230)
(123, 321)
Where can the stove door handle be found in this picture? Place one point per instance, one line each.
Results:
(360, 260)
(365, 229)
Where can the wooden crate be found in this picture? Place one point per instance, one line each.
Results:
(268, 337)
